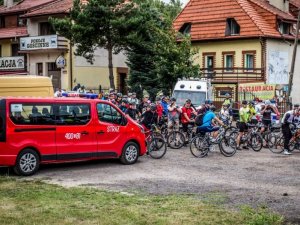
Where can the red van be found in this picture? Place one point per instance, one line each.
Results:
(48, 130)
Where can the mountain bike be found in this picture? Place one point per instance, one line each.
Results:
(156, 144)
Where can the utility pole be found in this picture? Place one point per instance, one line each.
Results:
(294, 55)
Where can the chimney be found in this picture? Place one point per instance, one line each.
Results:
(283, 5)
(8, 3)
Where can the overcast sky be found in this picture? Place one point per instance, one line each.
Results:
(183, 1)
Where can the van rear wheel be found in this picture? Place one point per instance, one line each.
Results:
(130, 153)
(27, 162)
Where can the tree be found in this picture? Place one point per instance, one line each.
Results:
(99, 23)
(155, 58)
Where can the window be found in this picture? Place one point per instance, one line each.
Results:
(228, 60)
(46, 29)
(109, 114)
(39, 68)
(222, 91)
(32, 114)
(186, 29)
(209, 62)
(22, 22)
(284, 28)
(2, 21)
(14, 49)
(232, 27)
(72, 114)
(249, 60)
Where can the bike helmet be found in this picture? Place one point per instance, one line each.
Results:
(152, 107)
(157, 99)
(188, 100)
(208, 102)
(212, 108)
(227, 95)
(119, 95)
(267, 102)
(244, 102)
(173, 99)
(252, 103)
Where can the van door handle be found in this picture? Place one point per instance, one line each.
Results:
(100, 132)
(84, 133)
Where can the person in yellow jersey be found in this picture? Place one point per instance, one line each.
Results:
(228, 100)
(244, 119)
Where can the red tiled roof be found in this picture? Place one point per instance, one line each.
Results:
(24, 5)
(296, 3)
(208, 18)
(56, 7)
(13, 32)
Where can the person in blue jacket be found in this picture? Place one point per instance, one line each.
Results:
(164, 104)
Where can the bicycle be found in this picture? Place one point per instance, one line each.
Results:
(201, 143)
(156, 144)
(175, 139)
(293, 144)
(252, 137)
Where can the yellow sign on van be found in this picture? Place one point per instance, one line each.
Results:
(259, 90)
(26, 86)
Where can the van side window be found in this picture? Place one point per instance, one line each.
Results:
(31, 114)
(72, 114)
(109, 114)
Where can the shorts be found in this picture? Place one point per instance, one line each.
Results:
(243, 127)
(266, 122)
(207, 129)
(172, 123)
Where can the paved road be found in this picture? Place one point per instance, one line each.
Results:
(255, 178)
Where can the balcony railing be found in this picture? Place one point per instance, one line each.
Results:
(233, 75)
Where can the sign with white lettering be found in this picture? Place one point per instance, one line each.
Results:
(12, 63)
(38, 42)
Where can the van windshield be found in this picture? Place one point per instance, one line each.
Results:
(196, 97)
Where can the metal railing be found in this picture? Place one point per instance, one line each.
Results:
(233, 75)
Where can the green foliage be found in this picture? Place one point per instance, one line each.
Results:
(100, 23)
(1, 2)
(155, 58)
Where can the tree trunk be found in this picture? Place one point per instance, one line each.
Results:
(110, 67)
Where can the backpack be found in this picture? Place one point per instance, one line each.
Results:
(200, 116)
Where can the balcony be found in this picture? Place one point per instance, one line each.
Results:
(233, 75)
(42, 43)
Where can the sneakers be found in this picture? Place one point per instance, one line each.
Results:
(245, 147)
(286, 152)
(238, 148)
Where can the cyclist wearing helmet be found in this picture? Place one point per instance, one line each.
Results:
(149, 117)
(225, 114)
(159, 108)
(173, 115)
(188, 112)
(252, 113)
(228, 100)
(209, 120)
(123, 105)
(142, 107)
(244, 118)
(119, 99)
(131, 110)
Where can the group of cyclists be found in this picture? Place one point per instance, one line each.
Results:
(204, 117)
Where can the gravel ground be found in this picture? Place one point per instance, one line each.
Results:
(254, 178)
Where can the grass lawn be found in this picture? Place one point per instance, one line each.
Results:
(34, 202)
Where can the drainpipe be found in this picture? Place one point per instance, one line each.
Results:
(71, 66)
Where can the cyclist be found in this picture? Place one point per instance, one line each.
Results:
(252, 113)
(225, 114)
(132, 111)
(228, 100)
(123, 105)
(142, 107)
(149, 117)
(173, 115)
(164, 104)
(244, 118)
(209, 120)
(266, 113)
(287, 121)
(159, 108)
(187, 115)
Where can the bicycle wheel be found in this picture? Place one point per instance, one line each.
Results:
(227, 146)
(279, 146)
(229, 130)
(157, 147)
(199, 146)
(175, 139)
(256, 142)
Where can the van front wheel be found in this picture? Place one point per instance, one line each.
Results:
(27, 163)
(130, 153)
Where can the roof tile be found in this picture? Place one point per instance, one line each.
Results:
(13, 32)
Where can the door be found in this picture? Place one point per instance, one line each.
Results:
(112, 131)
(56, 75)
(75, 132)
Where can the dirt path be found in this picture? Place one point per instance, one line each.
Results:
(255, 178)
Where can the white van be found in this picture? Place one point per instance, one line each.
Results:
(196, 90)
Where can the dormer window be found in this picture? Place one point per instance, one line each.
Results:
(232, 27)
(284, 28)
(186, 29)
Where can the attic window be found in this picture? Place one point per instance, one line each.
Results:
(186, 29)
(284, 28)
(232, 27)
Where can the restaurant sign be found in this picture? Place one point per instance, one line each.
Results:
(259, 90)
(12, 63)
(38, 42)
